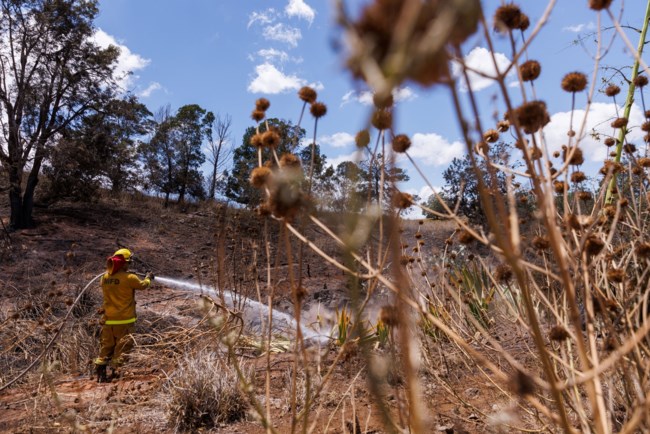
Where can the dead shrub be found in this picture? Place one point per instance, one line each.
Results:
(203, 392)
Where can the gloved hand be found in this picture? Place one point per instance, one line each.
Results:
(149, 275)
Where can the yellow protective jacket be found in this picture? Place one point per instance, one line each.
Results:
(119, 296)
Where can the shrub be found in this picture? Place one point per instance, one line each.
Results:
(203, 393)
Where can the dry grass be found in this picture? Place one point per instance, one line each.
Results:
(203, 392)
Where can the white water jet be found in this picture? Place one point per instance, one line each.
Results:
(255, 314)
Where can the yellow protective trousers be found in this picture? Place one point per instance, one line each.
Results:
(116, 342)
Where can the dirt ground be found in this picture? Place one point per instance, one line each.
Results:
(43, 269)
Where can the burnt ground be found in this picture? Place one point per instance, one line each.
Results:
(43, 269)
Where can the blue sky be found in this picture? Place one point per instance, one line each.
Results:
(224, 54)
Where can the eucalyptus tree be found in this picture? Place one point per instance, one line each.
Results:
(51, 73)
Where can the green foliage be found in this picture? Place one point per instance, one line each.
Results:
(476, 289)
(382, 332)
(63, 77)
(101, 148)
(343, 324)
(173, 156)
(353, 184)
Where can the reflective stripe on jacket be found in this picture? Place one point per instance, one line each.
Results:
(119, 296)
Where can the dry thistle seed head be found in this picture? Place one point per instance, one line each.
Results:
(307, 94)
(383, 101)
(382, 119)
(289, 160)
(556, 154)
(508, 17)
(467, 14)
(376, 26)
(389, 316)
(318, 109)
(260, 176)
(530, 70)
(611, 166)
(574, 82)
(616, 275)
(362, 138)
(256, 140)
(637, 170)
(642, 250)
(258, 115)
(300, 292)
(573, 156)
(522, 384)
(619, 123)
(609, 210)
(629, 148)
(286, 197)
(571, 133)
(524, 22)
(503, 126)
(640, 81)
(594, 245)
(270, 139)
(401, 143)
(578, 177)
(262, 104)
(598, 5)
(645, 126)
(418, 235)
(609, 141)
(646, 138)
(402, 200)
(491, 136)
(465, 237)
(612, 90)
(579, 222)
(558, 333)
(523, 200)
(535, 153)
(503, 273)
(644, 162)
(541, 243)
(531, 116)
(584, 195)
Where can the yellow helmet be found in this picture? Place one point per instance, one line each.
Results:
(125, 253)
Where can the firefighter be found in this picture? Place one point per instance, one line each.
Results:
(118, 321)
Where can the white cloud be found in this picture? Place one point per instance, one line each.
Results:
(146, 93)
(270, 80)
(317, 86)
(600, 117)
(577, 28)
(265, 17)
(300, 9)
(335, 161)
(434, 150)
(282, 33)
(127, 62)
(480, 60)
(271, 54)
(401, 94)
(337, 140)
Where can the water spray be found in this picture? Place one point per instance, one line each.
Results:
(252, 310)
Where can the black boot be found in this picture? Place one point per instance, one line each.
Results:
(101, 374)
